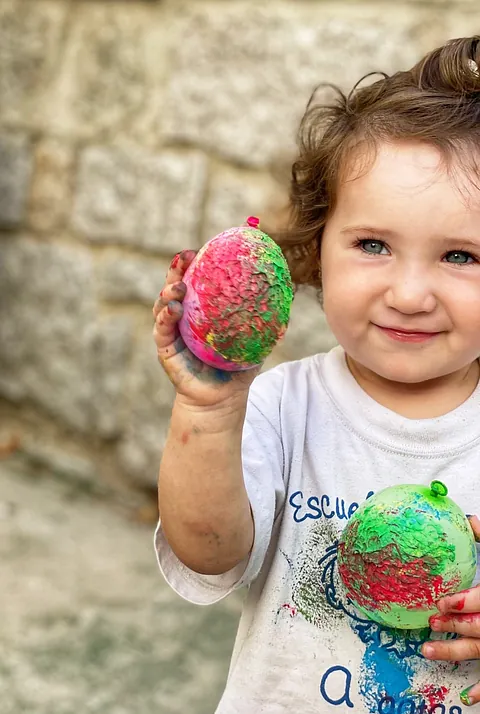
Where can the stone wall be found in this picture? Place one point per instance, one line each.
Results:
(130, 130)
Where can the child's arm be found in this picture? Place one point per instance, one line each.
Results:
(204, 507)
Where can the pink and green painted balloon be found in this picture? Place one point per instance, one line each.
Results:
(403, 549)
(238, 300)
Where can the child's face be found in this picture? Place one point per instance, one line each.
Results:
(405, 301)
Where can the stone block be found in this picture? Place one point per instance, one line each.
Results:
(131, 197)
(56, 461)
(112, 72)
(30, 37)
(123, 278)
(54, 350)
(50, 198)
(149, 399)
(15, 172)
(108, 342)
(234, 195)
(242, 73)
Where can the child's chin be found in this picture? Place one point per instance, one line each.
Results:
(407, 370)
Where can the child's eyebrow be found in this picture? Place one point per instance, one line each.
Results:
(370, 229)
(463, 241)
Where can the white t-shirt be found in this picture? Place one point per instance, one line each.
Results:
(315, 446)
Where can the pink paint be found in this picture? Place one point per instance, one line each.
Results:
(215, 288)
(253, 222)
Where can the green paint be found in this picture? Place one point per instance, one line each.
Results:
(251, 337)
(438, 488)
(413, 533)
(465, 698)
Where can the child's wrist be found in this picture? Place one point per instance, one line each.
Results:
(224, 418)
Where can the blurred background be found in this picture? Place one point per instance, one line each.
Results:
(129, 130)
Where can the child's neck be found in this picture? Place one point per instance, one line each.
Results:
(426, 400)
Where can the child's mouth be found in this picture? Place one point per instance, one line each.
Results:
(407, 336)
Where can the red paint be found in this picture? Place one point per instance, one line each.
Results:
(439, 619)
(433, 695)
(175, 261)
(292, 610)
(472, 618)
(386, 580)
(402, 336)
(460, 604)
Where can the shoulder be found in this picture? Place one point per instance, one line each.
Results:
(287, 376)
(286, 389)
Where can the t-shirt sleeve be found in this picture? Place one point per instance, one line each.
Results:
(263, 472)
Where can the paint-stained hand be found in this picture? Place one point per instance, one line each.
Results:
(196, 383)
(460, 614)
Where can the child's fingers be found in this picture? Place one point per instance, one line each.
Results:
(179, 265)
(171, 292)
(452, 650)
(165, 331)
(470, 695)
(466, 601)
(466, 625)
(475, 524)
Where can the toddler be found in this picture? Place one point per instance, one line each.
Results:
(260, 473)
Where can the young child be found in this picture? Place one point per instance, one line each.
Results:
(258, 479)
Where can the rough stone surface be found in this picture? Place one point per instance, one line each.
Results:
(109, 344)
(152, 202)
(53, 352)
(112, 72)
(235, 195)
(242, 73)
(30, 39)
(129, 278)
(149, 399)
(51, 194)
(15, 172)
(60, 463)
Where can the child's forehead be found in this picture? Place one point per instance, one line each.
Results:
(409, 174)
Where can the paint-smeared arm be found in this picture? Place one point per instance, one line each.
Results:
(204, 507)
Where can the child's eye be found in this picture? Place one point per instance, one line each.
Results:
(459, 257)
(374, 247)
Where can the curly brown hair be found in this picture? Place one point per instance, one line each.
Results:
(436, 102)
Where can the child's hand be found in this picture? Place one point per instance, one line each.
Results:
(459, 613)
(196, 383)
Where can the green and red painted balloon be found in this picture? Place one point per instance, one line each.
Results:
(238, 300)
(404, 549)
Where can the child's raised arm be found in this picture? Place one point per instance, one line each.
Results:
(204, 507)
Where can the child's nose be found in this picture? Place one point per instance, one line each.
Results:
(410, 291)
